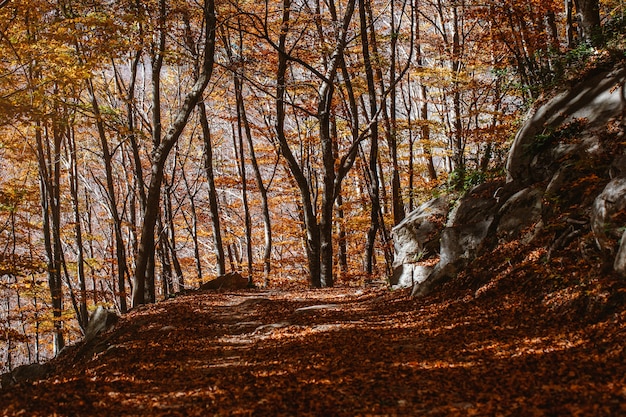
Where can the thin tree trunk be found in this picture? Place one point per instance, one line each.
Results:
(373, 155)
(240, 157)
(146, 245)
(49, 206)
(83, 315)
(193, 225)
(120, 250)
(213, 202)
(310, 222)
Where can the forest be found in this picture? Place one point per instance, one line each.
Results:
(147, 147)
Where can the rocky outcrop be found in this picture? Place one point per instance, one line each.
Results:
(416, 239)
(594, 102)
(608, 216)
(25, 373)
(570, 139)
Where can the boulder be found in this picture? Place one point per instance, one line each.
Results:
(596, 101)
(417, 238)
(230, 281)
(608, 215)
(519, 212)
(100, 321)
(462, 239)
(409, 274)
(26, 373)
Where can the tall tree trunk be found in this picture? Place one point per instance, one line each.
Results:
(49, 197)
(120, 250)
(570, 29)
(589, 17)
(310, 222)
(193, 225)
(83, 315)
(240, 157)
(213, 201)
(169, 233)
(373, 155)
(160, 154)
(458, 145)
(267, 225)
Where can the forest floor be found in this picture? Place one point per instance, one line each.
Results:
(518, 343)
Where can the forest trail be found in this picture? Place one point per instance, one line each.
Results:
(335, 352)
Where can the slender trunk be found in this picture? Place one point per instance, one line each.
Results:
(240, 157)
(193, 227)
(48, 208)
(267, 226)
(392, 136)
(120, 250)
(158, 164)
(373, 155)
(146, 245)
(83, 315)
(169, 234)
(570, 29)
(310, 222)
(213, 202)
(458, 148)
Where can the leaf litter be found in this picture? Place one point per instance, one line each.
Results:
(512, 344)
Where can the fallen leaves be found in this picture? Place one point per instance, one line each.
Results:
(341, 352)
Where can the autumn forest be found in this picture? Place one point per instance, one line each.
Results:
(147, 147)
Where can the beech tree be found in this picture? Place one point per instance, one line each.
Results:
(160, 154)
(588, 12)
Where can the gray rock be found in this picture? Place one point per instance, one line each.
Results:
(520, 211)
(26, 373)
(597, 101)
(418, 233)
(407, 275)
(606, 206)
(460, 242)
(100, 321)
(620, 260)
(417, 238)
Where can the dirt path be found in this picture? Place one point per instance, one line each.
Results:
(332, 352)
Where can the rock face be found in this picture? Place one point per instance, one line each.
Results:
(607, 215)
(100, 321)
(25, 373)
(594, 101)
(416, 239)
(230, 281)
(575, 131)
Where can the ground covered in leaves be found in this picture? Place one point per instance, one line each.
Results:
(519, 343)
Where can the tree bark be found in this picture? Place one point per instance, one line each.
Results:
(589, 17)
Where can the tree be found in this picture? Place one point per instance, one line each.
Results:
(160, 154)
(588, 12)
